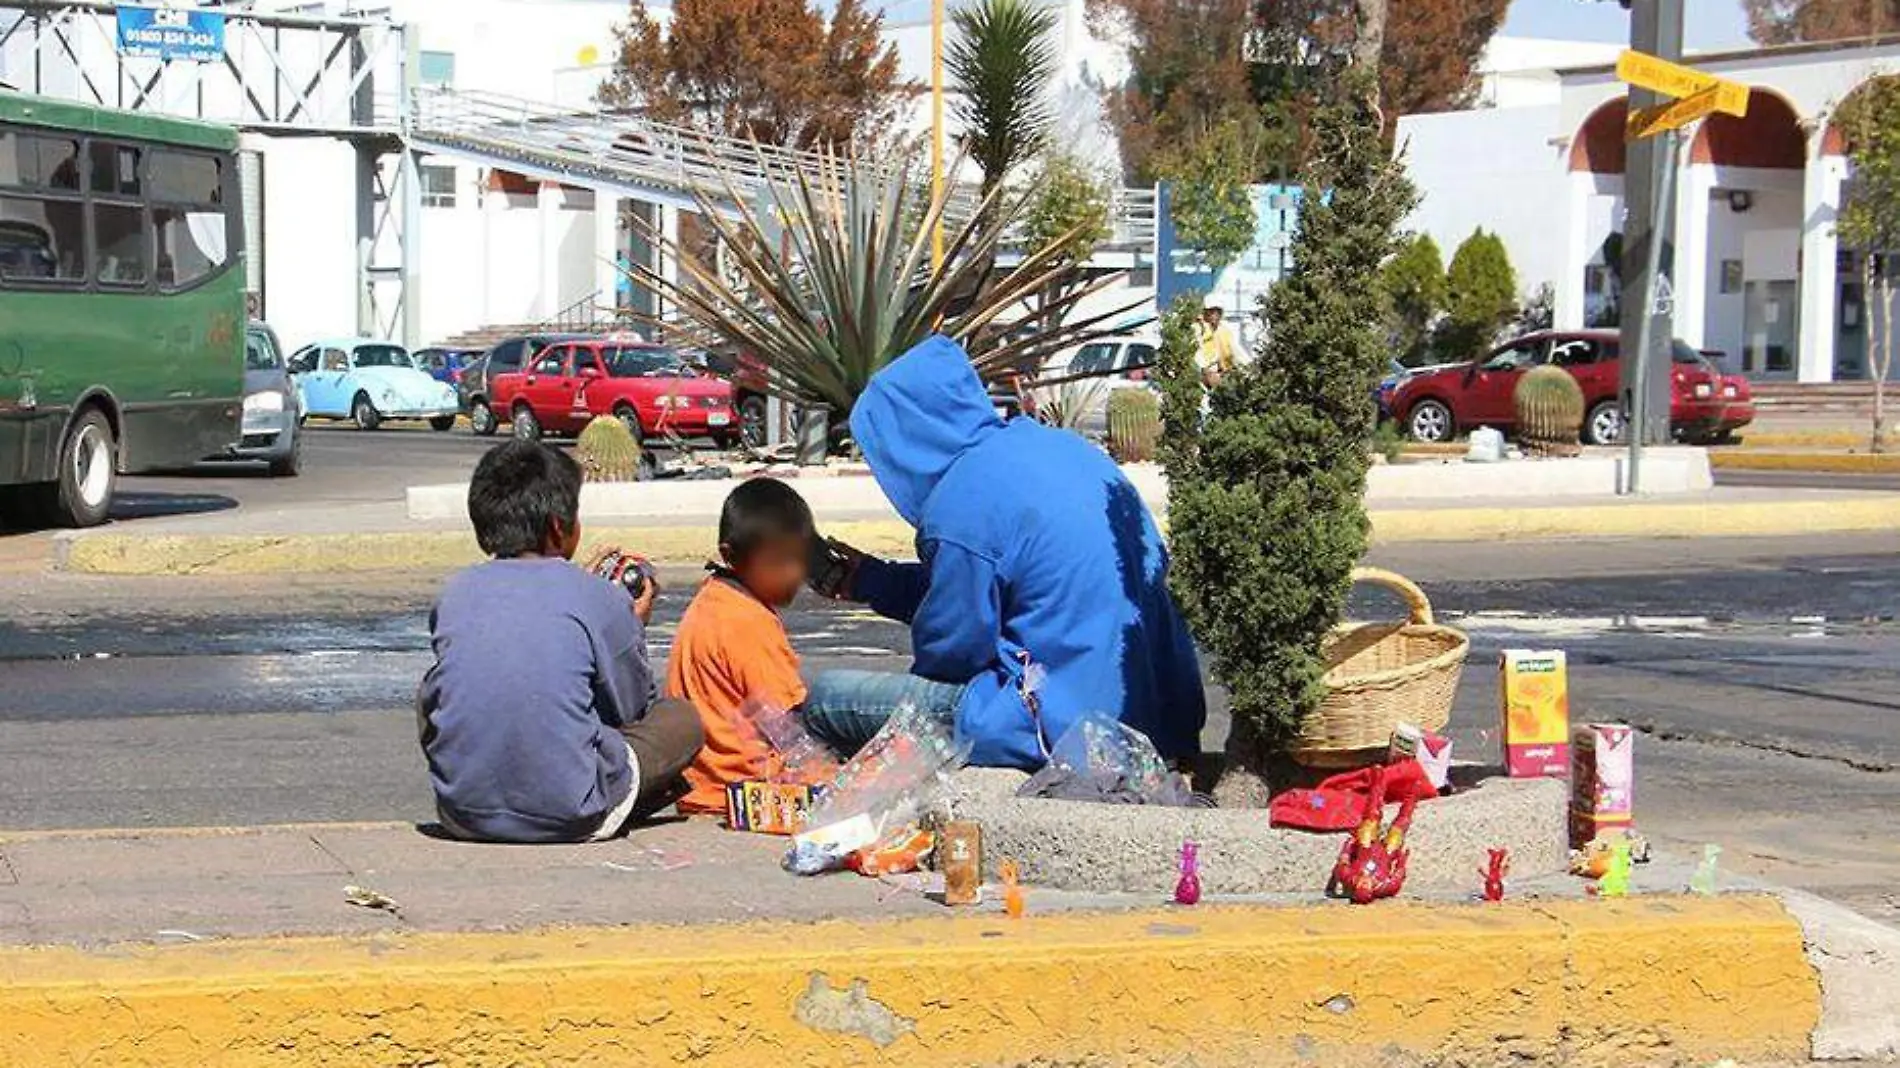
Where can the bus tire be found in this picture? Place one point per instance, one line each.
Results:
(88, 474)
(364, 413)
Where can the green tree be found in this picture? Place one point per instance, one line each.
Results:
(1067, 213)
(1001, 62)
(1208, 196)
(1415, 285)
(1869, 221)
(1480, 295)
(1265, 497)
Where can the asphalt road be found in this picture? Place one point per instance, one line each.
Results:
(1764, 675)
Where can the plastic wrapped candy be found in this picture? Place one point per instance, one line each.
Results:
(796, 756)
(1101, 759)
(891, 779)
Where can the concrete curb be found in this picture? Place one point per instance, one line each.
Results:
(1830, 463)
(1655, 981)
(1858, 961)
(112, 553)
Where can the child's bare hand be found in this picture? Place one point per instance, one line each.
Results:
(643, 604)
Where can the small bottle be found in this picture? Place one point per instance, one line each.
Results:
(1015, 901)
(1188, 890)
(960, 857)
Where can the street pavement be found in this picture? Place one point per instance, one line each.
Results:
(1762, 673)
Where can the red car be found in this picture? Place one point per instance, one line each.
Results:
(1705, 404)
(647, 386)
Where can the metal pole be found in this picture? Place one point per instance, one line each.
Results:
(1639, 412)
(936, 126)
(1656, 29)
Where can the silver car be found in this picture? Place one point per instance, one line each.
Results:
(271, 417)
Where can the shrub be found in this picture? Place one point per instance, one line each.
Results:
(1265, 499)
(1134, 425)
(1480, 296)
(1415, 284)
(607, 451)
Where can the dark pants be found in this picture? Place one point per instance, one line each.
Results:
(845, 709)
(664, 743)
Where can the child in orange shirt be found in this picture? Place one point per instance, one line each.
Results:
(732, 645)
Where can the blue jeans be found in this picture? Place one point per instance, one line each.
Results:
(844, 709)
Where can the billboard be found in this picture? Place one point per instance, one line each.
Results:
(170, 33)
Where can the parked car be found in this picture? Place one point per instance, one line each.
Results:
(1396, 374)
(367, 381)
(647, 386)
(445, 364)
(475, 390)
(272, 417)
(1436, 405)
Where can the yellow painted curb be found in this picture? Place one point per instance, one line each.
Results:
(1840, 463)
(1687, 519)
(1638, 981)
(439, 550)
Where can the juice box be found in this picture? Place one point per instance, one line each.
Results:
(769, 807)
(1534, 695)
(1602, 780)
(1434, 755)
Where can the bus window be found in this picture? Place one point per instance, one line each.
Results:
(188, 224)
(41, 240)
(39, 162)
(115, 169)
(120, 249)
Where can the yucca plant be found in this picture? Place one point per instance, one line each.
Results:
(1549, 409)
(1001, 62)
(829, 276)
(1065, 404)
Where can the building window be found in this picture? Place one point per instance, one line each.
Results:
(437, 68)
(438, 187)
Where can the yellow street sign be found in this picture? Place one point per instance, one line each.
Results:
(1673, 79)
(1649, 122)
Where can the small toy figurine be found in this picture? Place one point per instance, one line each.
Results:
(1014, 899)
(1494, 875)
(1704, 880)
(1616, 881)
(1188, 890)
(1372, 862)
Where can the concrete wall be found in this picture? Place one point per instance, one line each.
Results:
(1491, 168)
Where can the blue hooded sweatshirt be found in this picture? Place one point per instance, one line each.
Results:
(1030, 541)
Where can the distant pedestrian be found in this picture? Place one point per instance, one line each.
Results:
(539, 717)
(1215, 354)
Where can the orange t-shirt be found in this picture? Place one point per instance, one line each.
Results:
(731, 646)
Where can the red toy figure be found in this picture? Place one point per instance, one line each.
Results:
(1188, 890)
(1372, 862)
(1494, 875)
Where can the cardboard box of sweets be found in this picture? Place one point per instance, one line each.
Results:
(1602, 780)
(769, 807)
(1534, 695)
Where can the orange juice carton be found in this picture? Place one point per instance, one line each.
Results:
(1602, 780)
(1534, 695)
(769, 807)
(1434, 755)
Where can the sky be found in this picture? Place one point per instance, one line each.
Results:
(1708, 25)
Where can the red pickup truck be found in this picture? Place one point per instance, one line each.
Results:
(1705, 404)
(647, 386)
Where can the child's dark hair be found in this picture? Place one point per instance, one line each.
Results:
(518, 491)
(760, 510)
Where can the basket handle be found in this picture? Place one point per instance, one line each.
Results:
(1415, 599)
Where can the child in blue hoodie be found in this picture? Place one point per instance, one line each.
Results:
(1032, 548)
(540, 719)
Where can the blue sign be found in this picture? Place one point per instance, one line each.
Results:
(171, 33)
(1239, 285)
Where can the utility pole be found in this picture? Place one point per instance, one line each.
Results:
(1646, 300)
(936, 127)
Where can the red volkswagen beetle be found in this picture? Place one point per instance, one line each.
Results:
(647, 386)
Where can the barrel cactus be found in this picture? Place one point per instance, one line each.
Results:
(1549, 407)
(608, 451)
(1134, 425)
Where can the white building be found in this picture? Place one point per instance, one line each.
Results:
(1758, 272)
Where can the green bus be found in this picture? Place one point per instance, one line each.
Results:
(122, 306)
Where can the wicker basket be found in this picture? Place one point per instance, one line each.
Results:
(1379, 675)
